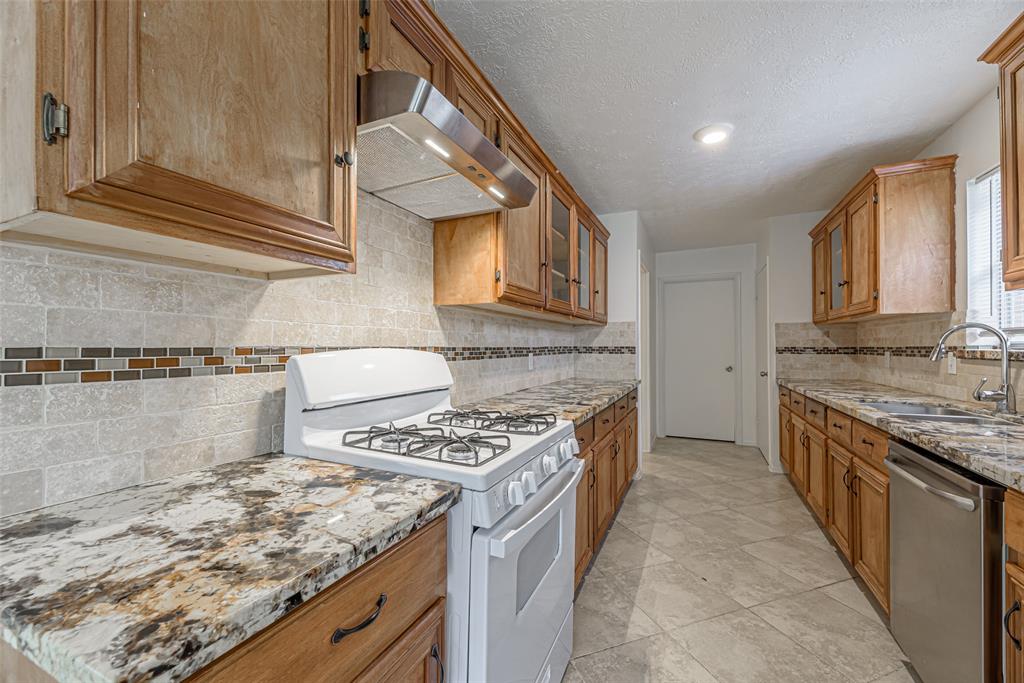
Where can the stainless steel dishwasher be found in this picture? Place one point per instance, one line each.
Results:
(946, 542)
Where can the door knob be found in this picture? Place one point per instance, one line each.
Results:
(764, 373)
(728, 368)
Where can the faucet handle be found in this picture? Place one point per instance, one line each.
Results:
(978, 395)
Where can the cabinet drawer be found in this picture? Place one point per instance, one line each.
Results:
(585, 435)
(621, 408)
(796, 403)
(784, 396)
(870, 443)
(632, 400)
(814, 412)
(299, 647)
(604, 422)
(840, 427)
(1013, 513)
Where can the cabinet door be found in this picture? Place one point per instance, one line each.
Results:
(232, 146)
(632, 445)
(584, 280)
(621, 463)
(840, 512)
(817, 473)
(1012, 166)
(416, 657)
(819, 277)
(585, 515)
(604, 469)
(472, 103)
(398, 42)
(871, 529)
(600, 278)
(798, 472)
(837, 267)
(861, 245)
(561, 228)
(785, 439)
(523, 232)
(1013, 618)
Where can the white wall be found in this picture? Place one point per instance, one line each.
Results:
(740, 259)
(623, 273)
(975, 138)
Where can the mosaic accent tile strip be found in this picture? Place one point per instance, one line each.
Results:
(38, 365)
(897, 351)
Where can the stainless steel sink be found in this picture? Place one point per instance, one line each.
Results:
(917, 412)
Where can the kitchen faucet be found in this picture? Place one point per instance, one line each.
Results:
(1004, 397)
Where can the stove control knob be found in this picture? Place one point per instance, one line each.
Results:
(550, 464)
(515, 493)
(529, 482)
(572, 446)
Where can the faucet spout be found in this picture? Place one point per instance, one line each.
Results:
(1003, 397)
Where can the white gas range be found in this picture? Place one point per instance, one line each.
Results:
(510, 539)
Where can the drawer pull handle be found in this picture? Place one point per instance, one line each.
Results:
(1006, 623)
(845, 475)
(605, 421)
(436, 654)
(340, 633)
(837, 425)
(868, 443)
(813, 412)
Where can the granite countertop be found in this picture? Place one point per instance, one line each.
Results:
(571, 399)
(993, 452)
(155, 581)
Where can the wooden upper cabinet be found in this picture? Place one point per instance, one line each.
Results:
(206, 121)
(820, 277)
(561, 245)
(523, 232)
(600, 277)
(584, 255)
(889, 244)
(394, 39)
(473, 104)
(860, 257)
(1008, 52)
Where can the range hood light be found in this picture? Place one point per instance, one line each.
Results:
(496, 192)
(437, 148)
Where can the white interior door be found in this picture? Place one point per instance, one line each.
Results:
(700, 359)
(764, 411)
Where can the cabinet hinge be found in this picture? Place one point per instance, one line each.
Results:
(875, 295)
(364, 8)
(497, 275)
(54, 119)
(364, 39)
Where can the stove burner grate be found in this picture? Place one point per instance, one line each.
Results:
(495, 421)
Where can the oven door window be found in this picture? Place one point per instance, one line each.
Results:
(536, 560)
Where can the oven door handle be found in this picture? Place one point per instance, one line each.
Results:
(956, 501)
(516, 538)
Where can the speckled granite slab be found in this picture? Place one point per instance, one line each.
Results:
(993, 452)
(572, 399)
(154, 581)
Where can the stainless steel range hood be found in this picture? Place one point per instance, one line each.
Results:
(417, 151)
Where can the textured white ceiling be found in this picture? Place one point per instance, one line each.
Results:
(818, 92)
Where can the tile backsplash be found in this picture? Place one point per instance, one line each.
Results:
(117, 372)
(858, 351)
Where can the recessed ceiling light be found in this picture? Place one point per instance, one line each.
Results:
(713, 134)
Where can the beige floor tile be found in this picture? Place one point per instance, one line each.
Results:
(684, 502)
(787, 514)
(573, 675)
(639, 509)
(604, 616)
(734, 527)
(654, 659)
(740, 647)
(852, 643)
(816, 536)
(854, 595)
(744, 578)
(901, 675)
(623, 550)
(680, 539)
(672, 595)
(803, 561)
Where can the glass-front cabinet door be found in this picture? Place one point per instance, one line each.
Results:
(837, 266)
(584, 263)
(561, 274)
(600, 278)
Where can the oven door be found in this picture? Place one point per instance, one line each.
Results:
(522, 585)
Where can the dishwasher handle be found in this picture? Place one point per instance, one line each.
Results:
(961, 502)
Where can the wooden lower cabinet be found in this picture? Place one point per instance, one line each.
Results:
(870, 489)
(785, 439)
(632, 445)
(1013, 622)
(398, 595)
(840, 506)
(604, 498)
(817, 473)
(621, 463)
(798, 472)
(585, 498)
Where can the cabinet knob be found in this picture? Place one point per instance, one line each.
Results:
(344, 159)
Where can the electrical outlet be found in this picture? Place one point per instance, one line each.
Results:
(888, 359)
(531, 361)
(951, 363)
